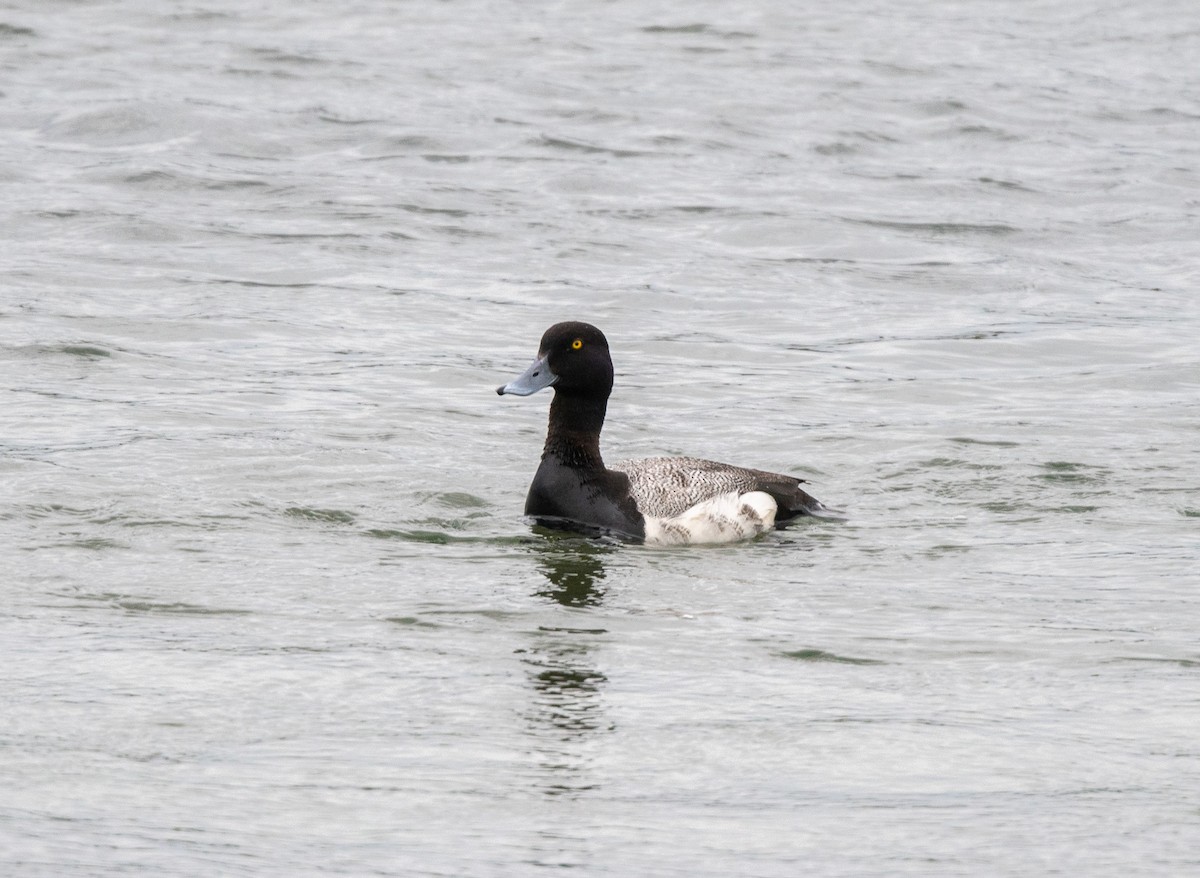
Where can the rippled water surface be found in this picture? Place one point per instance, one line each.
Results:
(270, 605)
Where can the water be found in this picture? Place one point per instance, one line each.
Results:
(270, 604)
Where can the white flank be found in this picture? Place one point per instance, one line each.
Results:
(725, 518)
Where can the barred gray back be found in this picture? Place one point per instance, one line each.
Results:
(669, 486)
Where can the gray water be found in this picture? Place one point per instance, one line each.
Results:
(270, 607)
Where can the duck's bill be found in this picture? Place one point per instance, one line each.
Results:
(537, 377)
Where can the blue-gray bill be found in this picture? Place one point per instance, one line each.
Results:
(537, 377)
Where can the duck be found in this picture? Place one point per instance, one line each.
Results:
(656, 500)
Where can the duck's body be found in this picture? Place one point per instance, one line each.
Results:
(660, 500)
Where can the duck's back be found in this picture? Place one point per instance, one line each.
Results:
(665, 487)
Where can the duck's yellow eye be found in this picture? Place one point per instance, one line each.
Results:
(577, 344)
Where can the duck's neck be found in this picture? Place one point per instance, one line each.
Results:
(573, 436)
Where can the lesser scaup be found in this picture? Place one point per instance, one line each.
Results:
(660, 500)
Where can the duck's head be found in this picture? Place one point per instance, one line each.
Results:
(573, 358)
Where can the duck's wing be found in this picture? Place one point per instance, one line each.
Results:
(666, 487)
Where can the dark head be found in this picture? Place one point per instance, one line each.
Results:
(573, 358)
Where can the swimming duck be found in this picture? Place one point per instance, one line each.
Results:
(658, 500)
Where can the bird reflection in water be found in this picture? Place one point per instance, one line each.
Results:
(567, 706)
(574, 568)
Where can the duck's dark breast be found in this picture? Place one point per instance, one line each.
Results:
(598, 498)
